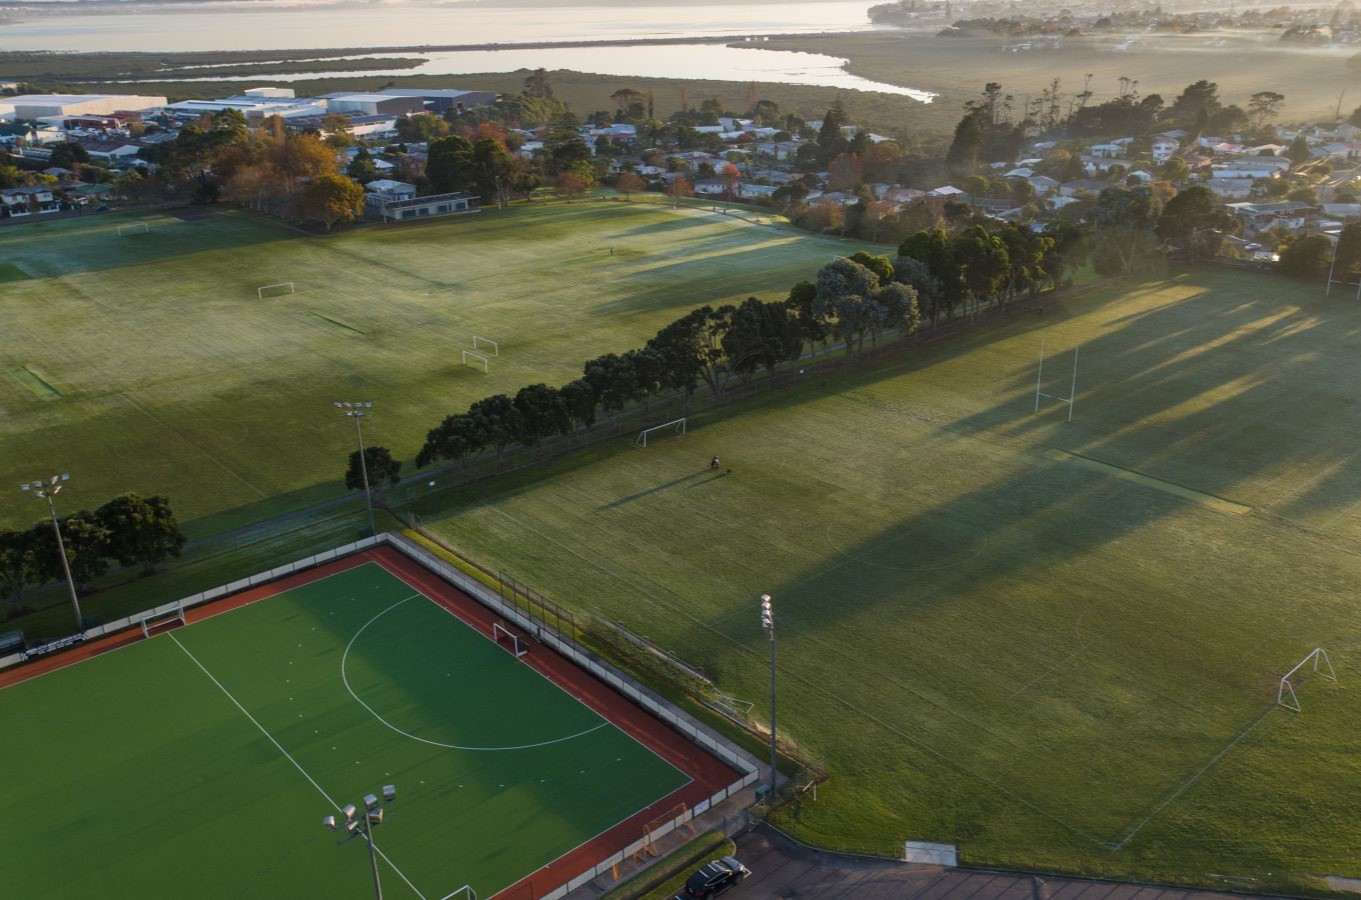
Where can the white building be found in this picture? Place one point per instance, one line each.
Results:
(36, 106)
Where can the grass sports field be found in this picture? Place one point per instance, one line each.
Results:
(146, 362)
(1055, 644)
(201, 762)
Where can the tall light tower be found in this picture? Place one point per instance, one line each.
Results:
(370, 817)
(768, 623)
(47, 490)
(356, 411)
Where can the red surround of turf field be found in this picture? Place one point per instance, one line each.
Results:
(708, 775)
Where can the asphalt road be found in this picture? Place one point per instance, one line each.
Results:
(782, 869)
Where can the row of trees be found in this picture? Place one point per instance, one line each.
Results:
(129, 530)
(853, 299)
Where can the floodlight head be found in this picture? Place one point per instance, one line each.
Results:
(24, 487)
(376, 816)
(370, 801)
(767, 614)
(329, 822)
(337, 404)
(368, 404)
(348, 810)
(389, 793)
(64, 477)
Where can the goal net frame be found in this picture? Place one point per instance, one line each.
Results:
(500, 633)
(676, 817)
(677, 424)
(270, 287)
(1072, 387)
(133, 228)
(486, 366)
(1285, 692)
(156, 622)
(478, 341)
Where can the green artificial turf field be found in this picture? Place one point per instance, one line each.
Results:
(1055, 644)
(147, 362)
(201, 762)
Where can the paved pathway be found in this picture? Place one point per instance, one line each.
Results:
(783, 869)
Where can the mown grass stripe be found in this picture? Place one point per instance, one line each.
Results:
(36, 383)
(1167, 487)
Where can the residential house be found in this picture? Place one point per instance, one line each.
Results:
(1163, 148)
(1260, 217)
(1043, 184)
(24, 201)
(1230, 188)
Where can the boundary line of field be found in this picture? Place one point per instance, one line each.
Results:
(245, 712)
(1185, 785)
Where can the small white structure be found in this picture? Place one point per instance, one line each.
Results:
(930, 854)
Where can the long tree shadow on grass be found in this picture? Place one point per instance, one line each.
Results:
(1089, 658)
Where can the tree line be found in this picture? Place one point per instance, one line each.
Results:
(128, 530)
(853, 299)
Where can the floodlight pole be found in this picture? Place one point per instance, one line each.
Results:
(371, 809)
(373, 857)
(768, 623)
(356, 411)
(47, 490)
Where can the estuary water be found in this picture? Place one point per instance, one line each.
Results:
(284, 25)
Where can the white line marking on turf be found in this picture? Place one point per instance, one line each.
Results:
(287, 755)
(345, 678)
(1194, 778)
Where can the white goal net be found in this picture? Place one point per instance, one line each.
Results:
(134, 228)
(675, 426)
(508, 639)
(155, 623)
(1315, 664)
(282, 289)
(477, 358)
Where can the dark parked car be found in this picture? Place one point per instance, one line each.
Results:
(713, 879)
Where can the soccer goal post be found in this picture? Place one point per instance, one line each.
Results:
(468, 354)
(280, 289)
(480, 343)
(134, 228)
(676, 426)
(155, 623)
(1318, 664)
(510, 640)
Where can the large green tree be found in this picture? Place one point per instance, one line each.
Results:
(1122, 219)
(1195, 221)
(140, 531)
(18, 569)
(331, 199)
(449, 166)
(379, 464)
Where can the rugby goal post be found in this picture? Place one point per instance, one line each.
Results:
(281, 289)
(134, 228)
(676, 426)
(1319, 665)
(504, 637)
(480, 343)
(1072, 387)
(155, 623)
(468, 354)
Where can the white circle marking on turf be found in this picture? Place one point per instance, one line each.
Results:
(345, 678)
